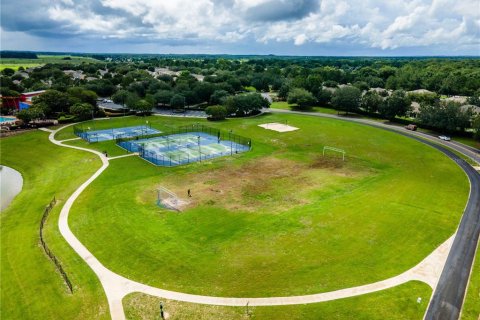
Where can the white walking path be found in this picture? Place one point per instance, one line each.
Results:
(117, 287)
(73, 139)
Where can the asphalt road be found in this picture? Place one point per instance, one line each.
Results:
(447, 300)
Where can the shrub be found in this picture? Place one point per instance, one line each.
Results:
(216, 113)
(302, 98)
(66, 119)
(82, 111)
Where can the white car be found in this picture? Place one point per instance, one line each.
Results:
(444, 138)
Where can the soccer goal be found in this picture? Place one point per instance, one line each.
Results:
(167, 199)
(326, 148)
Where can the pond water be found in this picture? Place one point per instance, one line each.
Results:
(11, 183)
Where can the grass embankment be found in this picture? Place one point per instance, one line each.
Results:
(471, 306)
(31, 286)
(310, 227)
(15, 63)
(395, 303)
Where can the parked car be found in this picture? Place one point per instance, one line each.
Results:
(444, 138)
(412, 127)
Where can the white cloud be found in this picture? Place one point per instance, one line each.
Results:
(300, 39)
(370, 23)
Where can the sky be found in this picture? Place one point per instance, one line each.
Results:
(282, 27)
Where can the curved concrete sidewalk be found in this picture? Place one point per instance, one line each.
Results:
(116, 286)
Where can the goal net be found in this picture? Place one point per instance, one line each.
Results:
(327, 148)
(167, 199)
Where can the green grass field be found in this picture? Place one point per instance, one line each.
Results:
(275, 217)
(471, 306)
(14, 63)
(31, 286)
(278, 220)
(286, 106)
(396, 303)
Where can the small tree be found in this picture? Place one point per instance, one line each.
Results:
(177, 102)
(324, 97)
(398, 104)
(143, 106)
(82, 111)
(8, 72)
(163, 97)
(476, 127)
(301, 98)
(216, 112)
(371, 101)
(32, 113)
(347, 99)
(474, 99)
(362, 85)
(218, 97)
(120, 97)
(283, 91)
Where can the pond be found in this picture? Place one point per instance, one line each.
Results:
(11, 183)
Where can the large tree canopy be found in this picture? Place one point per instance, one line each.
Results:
(448, 117)
(347, 99)
(54, 101)
(245, 104)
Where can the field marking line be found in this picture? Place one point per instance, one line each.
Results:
(116, 287)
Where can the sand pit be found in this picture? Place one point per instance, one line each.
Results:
(279, 127)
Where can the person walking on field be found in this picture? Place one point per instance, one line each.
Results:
(189, 193)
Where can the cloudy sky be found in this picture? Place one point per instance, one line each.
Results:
(290, 27)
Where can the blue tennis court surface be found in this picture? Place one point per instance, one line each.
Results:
(111, 134)
(176, 149)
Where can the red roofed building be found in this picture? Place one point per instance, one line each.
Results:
(21, 102)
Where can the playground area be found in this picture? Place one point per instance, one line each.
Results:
(111, 134)
(186, 145)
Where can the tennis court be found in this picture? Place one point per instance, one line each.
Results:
(183, 148)
(114, 133)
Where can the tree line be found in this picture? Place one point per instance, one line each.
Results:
(220, 85)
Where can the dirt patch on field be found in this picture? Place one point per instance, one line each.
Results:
(268, 184)
(327, 162)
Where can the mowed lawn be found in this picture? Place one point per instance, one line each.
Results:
(471, 306)
(327, 225)
(15, 63)
(393, 304)
(31, 286)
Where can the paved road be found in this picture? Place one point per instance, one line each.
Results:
(447, 300)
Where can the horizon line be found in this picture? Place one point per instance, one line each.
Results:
(246, 54)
